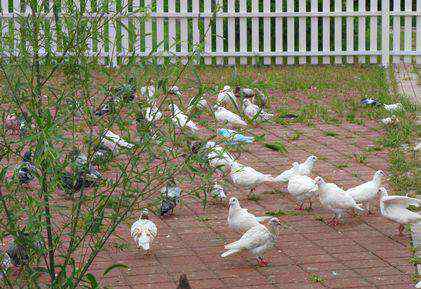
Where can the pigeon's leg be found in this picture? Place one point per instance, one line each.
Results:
(262, 262)
(401, 228)
(299, 206)
(368, 208)
(310, 208)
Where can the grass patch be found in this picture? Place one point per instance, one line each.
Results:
(314, 278)
(342, 165)
(202, 218)
(280, 213)
(277, 146)
(362, 159)
(296, 135)
(253, 198)
(330, 133)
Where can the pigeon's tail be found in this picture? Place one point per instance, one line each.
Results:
(359, 208)
(269, 178)
(262, 219)
(281, 179)
(144, 242)
(229, 252)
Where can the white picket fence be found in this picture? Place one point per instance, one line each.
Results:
(226, 32)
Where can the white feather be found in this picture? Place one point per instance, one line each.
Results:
(224, 115)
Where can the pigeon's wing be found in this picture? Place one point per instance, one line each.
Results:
(253, 238)
(284, 176)
(401, 201)
(300, 184)
(153, 230)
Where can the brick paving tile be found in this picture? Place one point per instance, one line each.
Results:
(347, 283)
(389, 280)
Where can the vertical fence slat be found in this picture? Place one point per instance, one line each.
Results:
(361, 30)
(396, 30)
(266, 33)
(302, 31)
(195, 22)
(373, 30)
(243, 31)
(208, 31)
(184, 35)
(16, 27)
(385, 32)
(350, 31)
(88, 10)
(314, 31)
(148, 29)
(418, 33)
(112, 40)
(338, 31)
(125, 31)
(219, 33)
(255, 29)
(137, 30)
(278, 32)
(408, 31)
(172, 45)
(290, 32)
(4, 28)
(159, 31)
(326, 31)
(101, 40)
(231, 32)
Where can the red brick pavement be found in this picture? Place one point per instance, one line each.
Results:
(364, 252)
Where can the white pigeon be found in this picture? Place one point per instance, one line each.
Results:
(224, 115)
(393, 107)
(253, 111)
(418, 285)
(257, 240)
(144, 231)
(152, 114)
(366, 192)
(218, 192)
(395, 208)
(247, 177)
(335, 199)
(239, 219)
(226, 95)
(200, 103)
(389, 120)
(304, 168)
(175, 90)
(117, 139)
(182, 120)
(148, 92)
(218, 157)
(301, 187)
(110, 145)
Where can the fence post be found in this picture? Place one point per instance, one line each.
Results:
(385, 33)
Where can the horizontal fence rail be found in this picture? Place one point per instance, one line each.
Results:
(221, 32)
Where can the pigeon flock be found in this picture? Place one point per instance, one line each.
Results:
(257, 234)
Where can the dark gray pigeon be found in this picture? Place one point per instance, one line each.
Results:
(183, 282)
(18, 249)
(171, 194)
(25, 170)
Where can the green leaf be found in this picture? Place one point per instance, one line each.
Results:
(276, 146)
(115, 266)
(3, 172)
(92, 280)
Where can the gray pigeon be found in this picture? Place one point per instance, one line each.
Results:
(183, 283)
(25, 170)
(171, 194)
